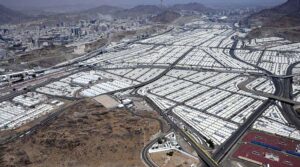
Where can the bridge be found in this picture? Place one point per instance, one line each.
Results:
(243, 87)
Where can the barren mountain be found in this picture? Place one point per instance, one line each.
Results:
(86, 134)
(283, 20)
(139, 11)
(148, 10)
(8, 15)
(291, 7)
(191, 7)
(288, 12)
(104, 9)
(167, 16)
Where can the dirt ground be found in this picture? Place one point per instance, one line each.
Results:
(185, 146)
(176, 160)
(142, 108)
(291, 34)
(107, 101)
(87, 134)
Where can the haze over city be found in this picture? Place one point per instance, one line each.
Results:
(130, 3)
(156, 83)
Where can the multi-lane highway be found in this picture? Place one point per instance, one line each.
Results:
(228, 145)
(289, 112)
(238, 68)
(203, 155)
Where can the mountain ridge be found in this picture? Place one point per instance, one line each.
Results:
(290, 9)
(104, 9)
(194, 6)
(139, 10)
(167, 16)
(282, 21)
(10, 16)
(154, 10)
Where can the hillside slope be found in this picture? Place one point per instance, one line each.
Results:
(85, 135)
(139, 11)
(283, 21)
(148, 10)
(191, 7)
(167, 16)
(8, 15)
(104, 9)
(278, 15)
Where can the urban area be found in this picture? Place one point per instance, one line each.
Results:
(185, 85)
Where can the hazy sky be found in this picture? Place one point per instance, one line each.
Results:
(127, 3)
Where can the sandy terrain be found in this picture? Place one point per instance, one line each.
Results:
(176, 160)
(107, 101)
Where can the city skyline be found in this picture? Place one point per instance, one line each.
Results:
(103, 83)
(27, 4)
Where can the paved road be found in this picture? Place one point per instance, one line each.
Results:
(234, 138)
(33, 129)
(243, 87)
(164, 131)
(225, 148)
(169, 68)
(145, 153)
(283, 85)
(32, 88)
(292, 116)
(200, 151)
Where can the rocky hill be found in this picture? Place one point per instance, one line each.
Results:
(167, 16)
(85, 135)
(152, 11)
(104, 9)
(148, 10)
(139, 11)
(288, 12)
(283, 21)
(191, 7)
(291, 7)
(8, 15)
